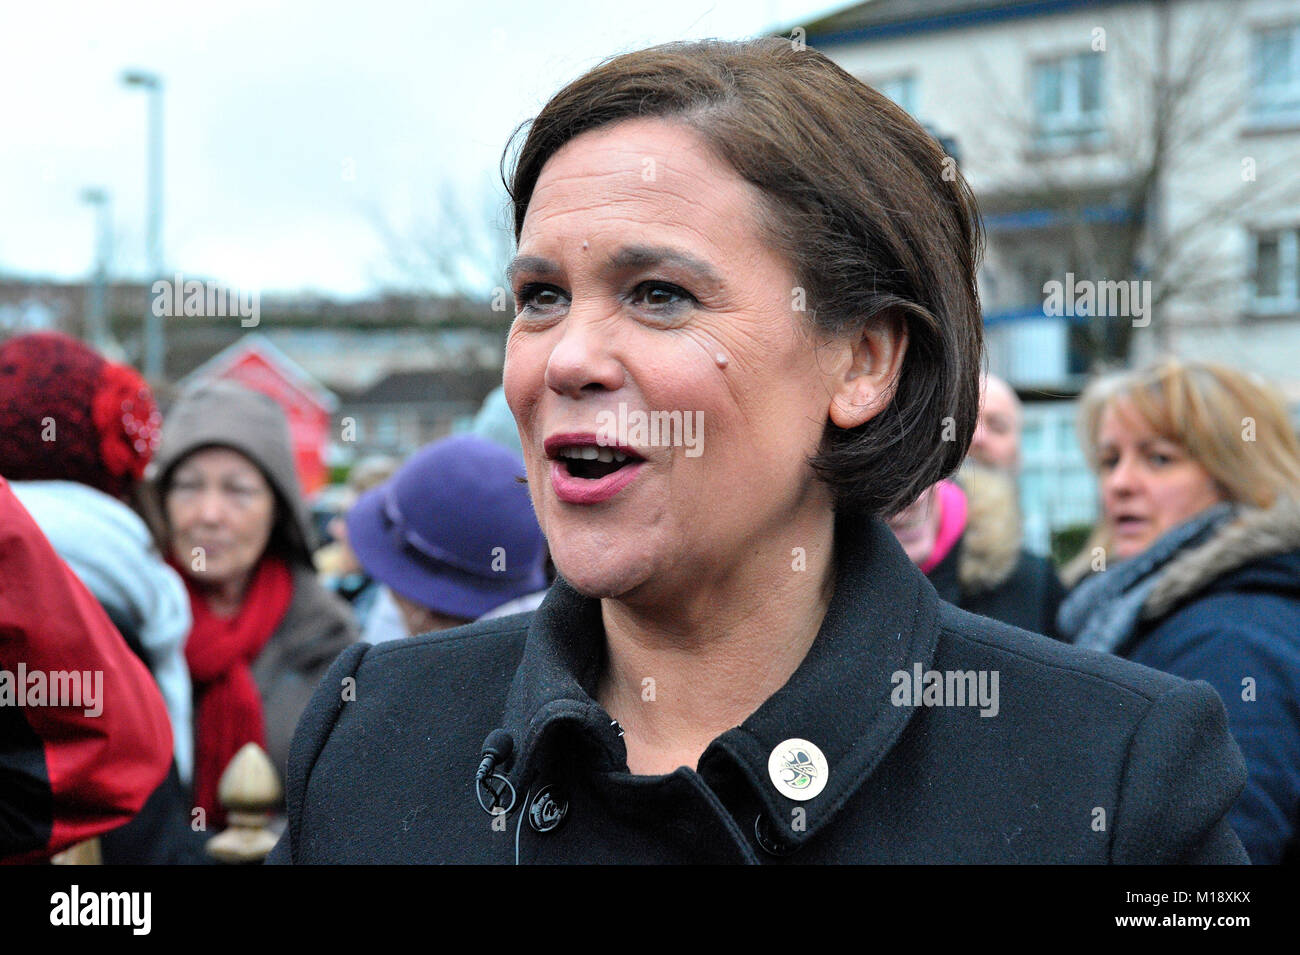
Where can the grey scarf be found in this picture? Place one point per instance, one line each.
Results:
(1103, 611)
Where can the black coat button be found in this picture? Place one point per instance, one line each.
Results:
(547, 809)
(767, 842)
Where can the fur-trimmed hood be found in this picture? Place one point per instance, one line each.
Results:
(1254, 535)
(990, 547)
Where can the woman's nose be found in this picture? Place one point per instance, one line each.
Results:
(582, 358)
(1122, 480)
(211, 506)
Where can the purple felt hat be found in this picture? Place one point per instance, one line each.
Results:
(452, 530)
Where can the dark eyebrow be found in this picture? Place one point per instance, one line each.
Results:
(645, 256)
(530, 263)
(629, 257)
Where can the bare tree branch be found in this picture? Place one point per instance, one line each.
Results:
(1168, 113)
(458, 248)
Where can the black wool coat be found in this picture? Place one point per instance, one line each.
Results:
(1082, 757)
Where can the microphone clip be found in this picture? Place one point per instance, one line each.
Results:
(490, 787)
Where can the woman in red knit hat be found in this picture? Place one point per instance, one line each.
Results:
(68, 414)
(76, 433)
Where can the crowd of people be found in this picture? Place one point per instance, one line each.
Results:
(206, 569)
(646, 665)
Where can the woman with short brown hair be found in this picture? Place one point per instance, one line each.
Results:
(876, 223)
(746, 328)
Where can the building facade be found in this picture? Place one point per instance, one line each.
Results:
(1137, 166)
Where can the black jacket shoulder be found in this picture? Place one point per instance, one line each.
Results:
(1074, 713)
(456, 680)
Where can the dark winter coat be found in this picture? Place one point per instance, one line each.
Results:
(1088, 758)
(1228, 612)
(987, 571)
(317, 628)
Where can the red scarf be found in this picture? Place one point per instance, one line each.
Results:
(220, 652)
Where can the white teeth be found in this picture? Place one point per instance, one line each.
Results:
(588, 452)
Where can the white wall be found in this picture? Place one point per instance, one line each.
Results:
(974, 84)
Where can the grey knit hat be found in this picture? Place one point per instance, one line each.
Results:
(226, 414)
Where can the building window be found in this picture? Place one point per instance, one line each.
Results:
(1069, 101)
(387, 431)
(1275, 283)
(1275, 86)
(902, 90)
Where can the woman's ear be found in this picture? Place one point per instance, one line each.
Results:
(867, 371)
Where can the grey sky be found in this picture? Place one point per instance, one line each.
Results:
(290, 126)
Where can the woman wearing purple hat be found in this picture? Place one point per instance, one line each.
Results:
(743, 243)
(452, 534)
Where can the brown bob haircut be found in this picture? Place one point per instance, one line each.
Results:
(860, 200)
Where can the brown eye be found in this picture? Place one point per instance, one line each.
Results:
(538, 296)
(661, 296)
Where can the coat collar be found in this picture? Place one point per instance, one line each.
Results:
(882, 618)
(1254, 535)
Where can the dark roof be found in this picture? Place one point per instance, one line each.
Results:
(879, 19)
(412, 387)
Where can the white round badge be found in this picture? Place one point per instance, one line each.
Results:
(798, 769)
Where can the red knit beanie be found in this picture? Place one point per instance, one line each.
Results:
(68, 414)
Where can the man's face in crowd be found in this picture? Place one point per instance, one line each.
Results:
(996, 443)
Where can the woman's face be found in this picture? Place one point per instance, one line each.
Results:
(642, 285)
(220, 510)
(1149, 484)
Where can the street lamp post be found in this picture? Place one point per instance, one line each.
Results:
(154, 343)
(96, 323)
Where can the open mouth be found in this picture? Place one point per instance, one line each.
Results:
(590, 463)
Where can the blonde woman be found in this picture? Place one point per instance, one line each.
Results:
(1199, 541)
